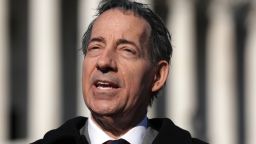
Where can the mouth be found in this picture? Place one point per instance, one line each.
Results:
(104, 84)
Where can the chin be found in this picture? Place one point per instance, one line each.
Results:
(101, 109)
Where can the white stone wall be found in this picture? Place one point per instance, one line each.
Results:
(44, 67)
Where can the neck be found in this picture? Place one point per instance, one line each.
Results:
(118, 124)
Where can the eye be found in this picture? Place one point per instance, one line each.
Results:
(93, 50)
(128, 52)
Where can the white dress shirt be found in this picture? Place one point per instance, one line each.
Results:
(133, 136)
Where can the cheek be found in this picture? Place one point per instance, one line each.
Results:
(87, 68)
(139, 90)
(85, 73)
(139, 80)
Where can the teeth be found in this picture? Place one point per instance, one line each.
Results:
(103, 85)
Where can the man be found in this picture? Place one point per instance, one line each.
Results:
(127, 51)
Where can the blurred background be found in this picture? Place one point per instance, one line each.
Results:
(211, 90)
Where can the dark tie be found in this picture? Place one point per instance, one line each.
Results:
(119, 141)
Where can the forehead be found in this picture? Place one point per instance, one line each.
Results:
(117, 21)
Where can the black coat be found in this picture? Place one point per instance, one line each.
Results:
(69, 133)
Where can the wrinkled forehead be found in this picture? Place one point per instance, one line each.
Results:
(120, 17)
(122, 24)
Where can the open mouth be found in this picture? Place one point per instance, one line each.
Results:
(103, 84)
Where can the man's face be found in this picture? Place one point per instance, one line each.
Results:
(117, 72)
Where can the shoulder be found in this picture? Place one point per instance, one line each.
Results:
(198, 141)
(169, 132)
(69, 132)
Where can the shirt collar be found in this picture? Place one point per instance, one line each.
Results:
(133, 136)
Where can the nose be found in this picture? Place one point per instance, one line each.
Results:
(106, 62)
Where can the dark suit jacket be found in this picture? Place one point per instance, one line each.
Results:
(166, 133)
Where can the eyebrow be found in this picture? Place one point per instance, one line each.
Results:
(97, 39)
(125, 41)
(119, 41)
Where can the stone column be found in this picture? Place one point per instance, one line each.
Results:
(250, 76)
(181, 90)
(44, 67)
(4, 130)
(221, 75)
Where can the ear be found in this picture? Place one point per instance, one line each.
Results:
(161, 75)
